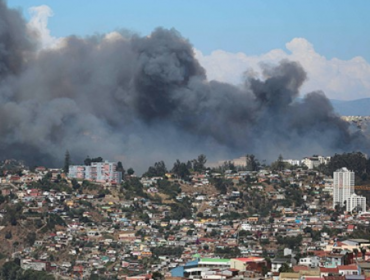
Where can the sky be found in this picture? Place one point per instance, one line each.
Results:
(230, 38)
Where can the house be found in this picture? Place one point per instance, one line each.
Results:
(127, 236)
(289, 276)
(278, 262)
(350, 228)
(313, 274)
(248, 264)
(334, 260)
(253, 219)
(310, 261)
(78, 270)
(364, 267)
(214, 263)
(349, 269)
(355, 277)
(140, 277)
(35, 265)
(328, 271)
(40, 169)
(180, 270)
(6, 191)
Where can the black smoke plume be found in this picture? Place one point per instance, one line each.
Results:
(144, 99)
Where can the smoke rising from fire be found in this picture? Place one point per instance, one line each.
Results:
(143, 99)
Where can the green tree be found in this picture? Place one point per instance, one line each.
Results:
(173, 251)
(87, 161)
(355, 251)
(8, 235)
(222, 184)
(252, 163)
(158, 170)
(75, 184)
(227, 252)
(189, 232)
(265, 269)
(200, 215)
(133, 187)
(181, 169)
(10, 271)
(31, 238)
(66, 162)
(355, 161)
(120, 168)
(97, 159)
(363, 252)
(285, 268)
(200, 163)
(157, 275)
(169, 188)
(130, 171)
(227, 165)
(280, 163)
(180, 209)
(292, 242)
(39, 275)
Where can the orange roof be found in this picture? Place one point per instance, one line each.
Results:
(339, 244)
(298, 268)
(233, 269)
(320, 253)
(334, 277)
(348, 267)
(329, 269)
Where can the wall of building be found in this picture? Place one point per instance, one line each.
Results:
(343, 186)
(98, 171)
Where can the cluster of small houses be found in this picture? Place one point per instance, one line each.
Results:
(120, 246)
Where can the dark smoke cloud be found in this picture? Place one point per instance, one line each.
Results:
(144, 99)
(14, 41)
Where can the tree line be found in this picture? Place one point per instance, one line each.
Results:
(181, 169)
(355, 161)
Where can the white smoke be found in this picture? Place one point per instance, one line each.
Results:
(39, 24)
(339, 79)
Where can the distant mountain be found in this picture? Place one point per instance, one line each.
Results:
(358, 107)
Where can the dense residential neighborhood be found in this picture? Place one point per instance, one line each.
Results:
(230, 140)
(191, 222)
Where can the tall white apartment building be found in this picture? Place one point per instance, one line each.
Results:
(356, 202)
(343, 186)
(103, 172)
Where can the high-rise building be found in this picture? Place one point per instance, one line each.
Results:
(356, 203)
(103, 172)
(343, 187)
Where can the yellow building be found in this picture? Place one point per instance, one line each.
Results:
(289, 276)
(69, 203)
(249, 263)
(164, 224)
(209, 220)
(146, 254)
(253, 219)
